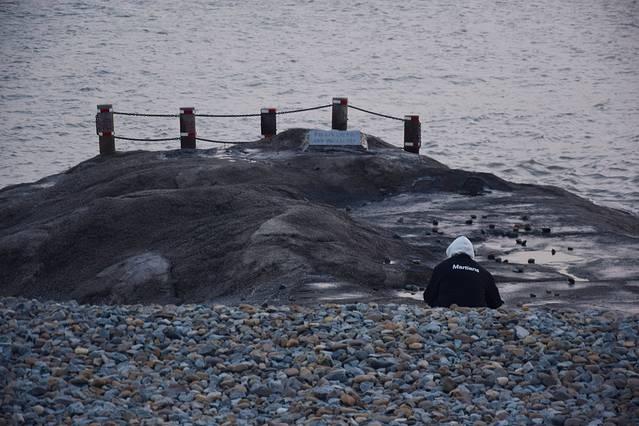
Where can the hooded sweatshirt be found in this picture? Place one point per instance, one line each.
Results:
(461, 245)
(462, 281)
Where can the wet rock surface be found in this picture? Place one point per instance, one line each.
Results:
(332, 364)
(273, 222)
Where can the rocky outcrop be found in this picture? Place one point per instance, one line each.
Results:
(256, 222)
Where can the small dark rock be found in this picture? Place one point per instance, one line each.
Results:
(524, 217)
(469, 222)
(523, 243)
(207, 350)
(282, 287)
(79, 381)
(533, 295)
(491, 257)
(171, 333)
(570, 248)
(527, 228)
(400, 220)
(262, 391)
(518, 270)
(547, 379)
(531, 260)
(397, 236)
(38, 391)
(571, 281)
(378, 363)
(545, 230)
(491, 226)
(473, 216)
(435, 222)
(448, 384)
(553, 251)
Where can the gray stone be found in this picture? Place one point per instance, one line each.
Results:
(324, 392)
(381, 363)
(521, 332)
(76, 408)
(433, 327)
(338, 375)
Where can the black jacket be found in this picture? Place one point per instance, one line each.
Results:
(460, 280)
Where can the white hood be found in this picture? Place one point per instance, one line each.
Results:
(461, 245)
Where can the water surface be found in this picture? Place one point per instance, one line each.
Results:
(541, 92)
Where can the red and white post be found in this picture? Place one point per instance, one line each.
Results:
(187, 128)
(340, 114)
(412, 134)
(104, 129)
(268, 122)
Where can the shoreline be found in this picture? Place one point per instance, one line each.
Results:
(364, 363)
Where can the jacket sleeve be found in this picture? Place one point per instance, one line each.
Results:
(493, 299)
(432, 290)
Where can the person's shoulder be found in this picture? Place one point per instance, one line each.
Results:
(483, 270)
(463, 259)
(444, 263)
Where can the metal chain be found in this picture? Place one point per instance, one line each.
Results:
(147, 140)
(227, 115)
(303, 109)
(139, 114)
(224, 142)
(376, 113)
(136, 114)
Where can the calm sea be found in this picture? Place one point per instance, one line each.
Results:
(534, 91)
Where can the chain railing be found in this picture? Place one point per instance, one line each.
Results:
(268, 124)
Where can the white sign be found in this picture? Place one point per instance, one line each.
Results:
(335, 138)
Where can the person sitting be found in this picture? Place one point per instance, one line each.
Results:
(461, 281)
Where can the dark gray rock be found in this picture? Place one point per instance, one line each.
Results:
(380, 363)
(338, 374)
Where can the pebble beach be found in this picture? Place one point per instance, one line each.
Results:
(356, 364)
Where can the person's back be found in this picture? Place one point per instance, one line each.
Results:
(461, 281)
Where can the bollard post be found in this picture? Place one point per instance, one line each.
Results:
(412, 134)
(340, 113)
(104, 129)
(268, 122)
(187, 128)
